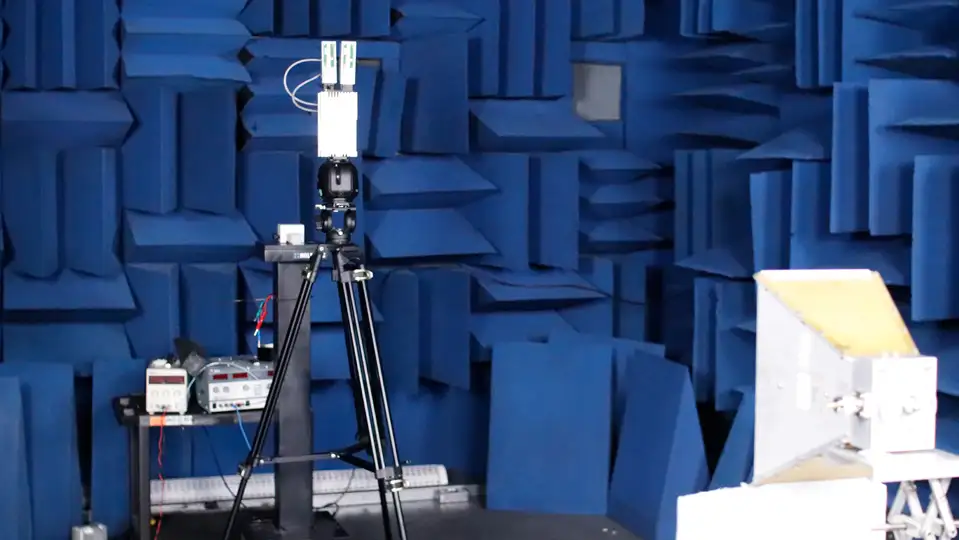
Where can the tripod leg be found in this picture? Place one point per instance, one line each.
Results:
(384, 508)
(355, 344)
(362, 429)
(376, 368)
(374, 382)
(381, 398)
(269, 408)
(382, 486)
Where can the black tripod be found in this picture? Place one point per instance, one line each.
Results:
(338, 184)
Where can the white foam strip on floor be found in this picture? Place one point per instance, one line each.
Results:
(185, 491)
(336, 501)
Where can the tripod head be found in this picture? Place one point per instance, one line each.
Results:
(337, 182)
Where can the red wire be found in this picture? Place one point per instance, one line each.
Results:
(266, 307)
(160, 475)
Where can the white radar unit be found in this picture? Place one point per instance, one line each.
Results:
(337, 106)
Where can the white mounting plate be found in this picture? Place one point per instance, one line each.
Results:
(925, 465)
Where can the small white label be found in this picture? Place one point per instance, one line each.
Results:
(803, 391)
(179, 420)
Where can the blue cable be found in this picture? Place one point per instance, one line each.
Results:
(239, 423)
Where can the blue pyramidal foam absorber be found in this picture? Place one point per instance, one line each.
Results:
(53, 461)
(444, 326)
(208, 306)
(488, 329)
(151, 49)
(533, 431)
(76, 344)
(661, 454)
(400, 334)
(935, 296)
(735, 344)
(110, 467)
(157, 322)
(703, 357)
(624, 351)
(15, 499)
(736, 460)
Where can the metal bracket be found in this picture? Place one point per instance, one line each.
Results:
(909, 521)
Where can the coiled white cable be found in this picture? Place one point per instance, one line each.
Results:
(301, 104)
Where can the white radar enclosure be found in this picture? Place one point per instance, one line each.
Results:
(337, 105)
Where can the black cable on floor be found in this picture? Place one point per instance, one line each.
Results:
(216, 463)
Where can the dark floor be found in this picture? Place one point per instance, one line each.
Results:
(470, 522)
(430, 521)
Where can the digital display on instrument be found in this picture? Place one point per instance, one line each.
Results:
(166, 379)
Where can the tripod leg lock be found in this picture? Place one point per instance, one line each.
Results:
(395, 484)
(356, 276)
(245, 470)
(392, 478)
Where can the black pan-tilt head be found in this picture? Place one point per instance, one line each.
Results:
(338, 183)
